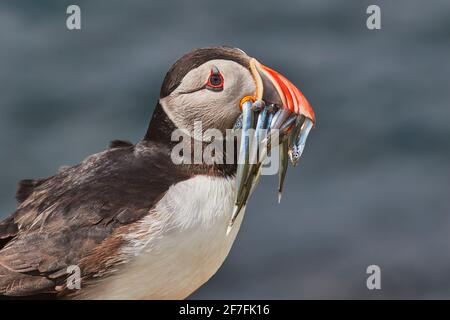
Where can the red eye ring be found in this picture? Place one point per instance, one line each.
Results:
(215, 80)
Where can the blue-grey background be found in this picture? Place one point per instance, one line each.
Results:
(373, 186)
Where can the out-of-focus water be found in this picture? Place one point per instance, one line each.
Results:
(373, 186)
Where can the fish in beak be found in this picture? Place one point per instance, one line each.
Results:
(278, 110)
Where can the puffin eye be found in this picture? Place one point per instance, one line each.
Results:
(215, 80)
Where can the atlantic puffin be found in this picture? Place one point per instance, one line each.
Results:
(136, 224)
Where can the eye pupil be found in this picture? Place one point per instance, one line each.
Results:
(215, 80)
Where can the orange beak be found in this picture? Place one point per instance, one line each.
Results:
(268, 80)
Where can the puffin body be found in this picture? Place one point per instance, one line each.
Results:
(135, 223)
(138, 226)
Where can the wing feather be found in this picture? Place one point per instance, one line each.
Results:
(76, 216)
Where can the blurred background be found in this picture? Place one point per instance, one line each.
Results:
(373, 186)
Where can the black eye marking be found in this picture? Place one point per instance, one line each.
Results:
(215, 80)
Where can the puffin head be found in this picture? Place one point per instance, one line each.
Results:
(210, 85)
(215, 87)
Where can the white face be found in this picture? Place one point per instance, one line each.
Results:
(193, 101)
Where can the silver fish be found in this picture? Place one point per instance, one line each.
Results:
(298, 146)
(243, 161)
(283, 154)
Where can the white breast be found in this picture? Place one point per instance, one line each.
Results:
(179, 246)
